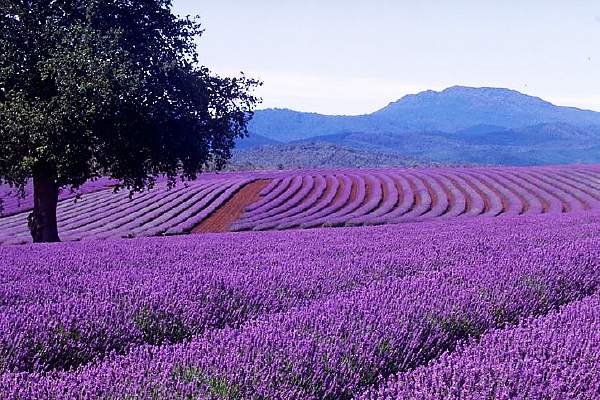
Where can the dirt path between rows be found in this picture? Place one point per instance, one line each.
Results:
(232, 210)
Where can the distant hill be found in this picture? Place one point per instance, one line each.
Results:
(457, 125)
(316, 155)
(540, 134)
(254, 140)
(286, 125)
(542, 144)
(460, 107)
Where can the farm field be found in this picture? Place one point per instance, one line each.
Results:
(308, 199)
(462, 308)
(198, 203)
(453, 283)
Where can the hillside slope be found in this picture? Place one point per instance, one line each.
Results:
(316, 155)
(544, 144)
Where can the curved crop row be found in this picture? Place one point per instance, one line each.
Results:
(11, 203)
(297, 199)
(370, 197)
(553, 357)
(105, 214)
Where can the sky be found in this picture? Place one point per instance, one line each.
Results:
(354, 57)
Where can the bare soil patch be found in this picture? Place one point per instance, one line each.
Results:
(340, 190)
(232, 210)
(416, 195)
(461, 189)
(432, 194)
(445, 192)
(486, 200)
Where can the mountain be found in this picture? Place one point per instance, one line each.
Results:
(254, 140)
(536, 135)
(554, 143)
(286, 125)
(460, 107)
(453, 109)
(456, 125)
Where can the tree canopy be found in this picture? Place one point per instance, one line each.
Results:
(92, 88)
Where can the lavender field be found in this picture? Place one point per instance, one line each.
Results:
(299, 200)
(447, 283)
(308, 199)
(462, 308)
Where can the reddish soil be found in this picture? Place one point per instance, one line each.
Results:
(446, 191)
(416, 194)
(401, 193)
(353, 191)
(231, 211)
(340, 190)
(368, 193)
(503, 198)
(477, 189)
(432, 194)
(468, 200)
(385, 193)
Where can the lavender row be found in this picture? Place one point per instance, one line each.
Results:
(113, 215)
(389, 199)
(456, 200)
(367, 197)
(304, 202)
(64, 207)
(108, 297)
(337, 347)
(495, 194)
(426, 194)
(567, 195)
(553, 357)
(403, 205)
(297, 192)
(13, 204)
(439, 201)
(178, 214)
(339, 199)
(582, 193)
(158, 216)
(332, 184)
(104, 210)
(350, 197)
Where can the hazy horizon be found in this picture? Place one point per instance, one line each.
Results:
(354, 57)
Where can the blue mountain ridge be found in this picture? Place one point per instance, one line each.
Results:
(458, 124)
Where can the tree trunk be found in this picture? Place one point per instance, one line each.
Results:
(42, 220)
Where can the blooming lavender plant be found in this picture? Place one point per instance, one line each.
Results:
(330, 319)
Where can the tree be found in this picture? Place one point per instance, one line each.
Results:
(92, 88)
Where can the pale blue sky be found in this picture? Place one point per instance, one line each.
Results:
(354, 56)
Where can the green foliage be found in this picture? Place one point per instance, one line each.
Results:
(217, 387)
(456, 325)
(159, 326)
(111, 87)
(316, 155)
